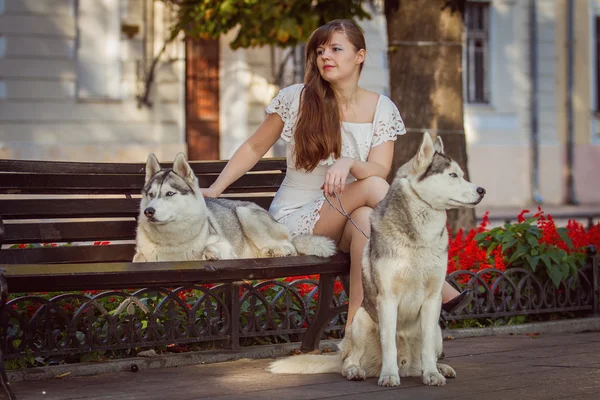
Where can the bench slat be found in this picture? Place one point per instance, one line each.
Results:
(83, 208)
(19, 183)
(22, 278)
(68, 254)
(69, 231)
(60, 167)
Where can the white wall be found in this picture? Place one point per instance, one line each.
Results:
(499, 134)
(44, 115)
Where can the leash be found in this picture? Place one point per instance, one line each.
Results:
(343, 212)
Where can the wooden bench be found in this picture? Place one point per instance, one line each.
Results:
(37, 205)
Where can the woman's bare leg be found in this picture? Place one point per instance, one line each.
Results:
(359, 199)
(448, 292)
(353, 241)
(366, 192)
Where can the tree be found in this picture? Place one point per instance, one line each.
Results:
(425, 60)
(282, 23)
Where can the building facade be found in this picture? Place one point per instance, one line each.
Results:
(74, 74)
(531, 89)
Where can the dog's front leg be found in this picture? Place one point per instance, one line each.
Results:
(219, 251)
(360, 332)
(387, 309)
(430, 311)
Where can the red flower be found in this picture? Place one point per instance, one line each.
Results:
(521, 216)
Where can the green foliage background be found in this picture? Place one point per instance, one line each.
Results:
(281, 23)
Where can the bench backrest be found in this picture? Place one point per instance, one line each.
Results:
(85, 203)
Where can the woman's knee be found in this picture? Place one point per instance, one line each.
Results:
(361, 216)
(377, 187)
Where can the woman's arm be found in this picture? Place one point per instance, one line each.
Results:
(247, 155)
(378, 163)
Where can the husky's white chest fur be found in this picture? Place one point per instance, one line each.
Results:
(176, 242)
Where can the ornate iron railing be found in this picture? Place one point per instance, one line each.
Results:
(230, 315)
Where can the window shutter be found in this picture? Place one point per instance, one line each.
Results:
(98, 64)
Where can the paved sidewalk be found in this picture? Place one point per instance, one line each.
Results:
(534, 367)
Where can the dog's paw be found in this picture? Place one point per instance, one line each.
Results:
(446, 370)
(279, 251)
(433, 378)
(354, 373)
(139, 257)
(210, 255)
(389, 380)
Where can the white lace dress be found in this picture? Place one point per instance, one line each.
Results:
(299, 199)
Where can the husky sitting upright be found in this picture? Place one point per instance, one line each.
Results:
(176, 223)
(395, 332)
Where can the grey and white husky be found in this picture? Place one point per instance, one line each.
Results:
(396, 333)
(176, 223)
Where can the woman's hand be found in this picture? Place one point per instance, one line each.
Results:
(210, 192)
(335, 178)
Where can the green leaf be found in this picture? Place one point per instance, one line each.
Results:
(564, 235)
(555, 275)
(521, 250)
(533, 242)
(564, 270)
(508, 243)
(481, 236)
(534, 230)
(531, 220)
(557, 255)
(546, 259)
(491, 248)
(533, 262)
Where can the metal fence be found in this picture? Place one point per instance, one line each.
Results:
(518, 291)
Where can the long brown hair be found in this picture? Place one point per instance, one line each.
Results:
(318, 130)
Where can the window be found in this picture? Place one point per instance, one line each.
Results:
(477, 29)
(98, 64)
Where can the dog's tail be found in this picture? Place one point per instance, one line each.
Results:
(314, 245)
(307, 364)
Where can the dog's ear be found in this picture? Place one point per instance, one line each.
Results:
(438, 145)
(152, 166)
(183, 169)
(425, 153)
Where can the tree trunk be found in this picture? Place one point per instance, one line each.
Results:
(425, 61)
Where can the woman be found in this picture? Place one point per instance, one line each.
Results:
(339, 144)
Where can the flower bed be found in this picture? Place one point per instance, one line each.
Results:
(535, 243)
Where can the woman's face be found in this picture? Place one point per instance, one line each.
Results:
(338, 60)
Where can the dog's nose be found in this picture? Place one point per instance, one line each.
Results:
(149, 212)
(481, 191)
